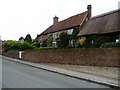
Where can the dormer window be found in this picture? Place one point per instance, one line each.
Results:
(70, 31)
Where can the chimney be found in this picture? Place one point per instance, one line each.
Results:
(89, 8)
(55, 20)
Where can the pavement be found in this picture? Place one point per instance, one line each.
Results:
(79, 75)
(111, 72)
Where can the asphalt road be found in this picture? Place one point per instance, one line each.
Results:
(16, 75)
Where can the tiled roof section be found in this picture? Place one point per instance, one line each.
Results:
(67, 23)
(102, 24)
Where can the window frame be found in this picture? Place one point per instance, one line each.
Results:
(55, 35)
(70, 31)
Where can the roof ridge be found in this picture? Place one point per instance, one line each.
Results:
(73, 16)
(66, 23)
(105, 14)
(103, 24)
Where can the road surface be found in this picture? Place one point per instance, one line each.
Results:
(16, 75)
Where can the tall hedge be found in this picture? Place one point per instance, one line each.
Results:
(15, 45)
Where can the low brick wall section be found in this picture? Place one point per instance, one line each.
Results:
(83, 56)
(12, 53)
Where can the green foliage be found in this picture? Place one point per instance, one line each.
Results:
(49, 40)
(74, 34)
(28, 38)
(109, 45)
(15, 45)
(26, 45)
(36, 44)
(63, 40)
(44, 43)
(46, 48)
(74, 38)
(11, 45)
(95, 41)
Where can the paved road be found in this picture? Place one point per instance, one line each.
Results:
(16, 75)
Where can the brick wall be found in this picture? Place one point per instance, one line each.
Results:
(12, 53)
(83, 56)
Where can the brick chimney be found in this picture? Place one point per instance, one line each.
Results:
(89, 8)
(55, 20)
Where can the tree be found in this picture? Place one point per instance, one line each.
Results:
(63, 40)
(49, 40)
(21, 38)
(28, 38)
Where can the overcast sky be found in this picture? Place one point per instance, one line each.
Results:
(21, 17)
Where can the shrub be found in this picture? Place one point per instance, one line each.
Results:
(26, 45)
(15, 45)
(109, 45)
(98, 40)
(36, 44)
(63, 40)
(49, 40)
(11, 45)
(81, 40)
(44, 43)
(46, 48)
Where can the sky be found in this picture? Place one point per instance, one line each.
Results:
(21, 17)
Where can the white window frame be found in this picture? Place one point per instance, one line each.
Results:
(55, 35)
(70, 31)
(54, 44)
(71, 42)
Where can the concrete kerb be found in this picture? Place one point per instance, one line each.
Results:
(111, 84)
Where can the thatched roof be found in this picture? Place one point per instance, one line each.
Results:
(102, 24)
(73, 21)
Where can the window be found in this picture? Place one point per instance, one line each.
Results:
(71, 42)
(55, 35)
(21, 41)
(54, 44)
(41, 37)
(70, 31)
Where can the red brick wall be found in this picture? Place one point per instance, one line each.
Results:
(84, 56)
(12, 53)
